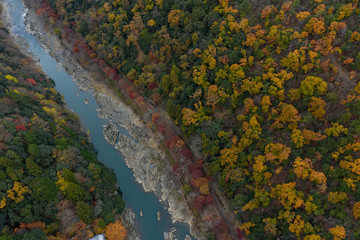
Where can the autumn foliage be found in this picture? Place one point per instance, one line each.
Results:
(115, 231)
(42, 194)
(267, 94)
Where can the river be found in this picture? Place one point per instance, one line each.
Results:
(135, 198)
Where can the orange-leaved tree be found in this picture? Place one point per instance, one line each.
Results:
(115, 231)
(338, 232)
(316, 107)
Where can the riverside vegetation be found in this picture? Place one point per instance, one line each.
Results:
(51, 184)
(270, 89)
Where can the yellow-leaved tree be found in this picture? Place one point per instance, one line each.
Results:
(311, 84)
(287, 195)
(356, 210)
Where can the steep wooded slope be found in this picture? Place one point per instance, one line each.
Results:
(51, 184)
(271, 92)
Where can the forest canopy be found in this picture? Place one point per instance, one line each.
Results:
(269, 88)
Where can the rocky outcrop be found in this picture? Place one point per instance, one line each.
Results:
(170, 235)
(101, 114)
(129, 224)
(55, 48)
(111, 133)
(142, 154)
(122, 115)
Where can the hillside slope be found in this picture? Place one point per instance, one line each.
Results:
(270, 93)
(51, 184)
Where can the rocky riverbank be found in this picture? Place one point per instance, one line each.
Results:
(128, 217)
(6, 23)
(141, 150)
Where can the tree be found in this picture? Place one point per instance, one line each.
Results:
(202, 184)
(312, 237)
(33, 168)
(191, 117)
(312, 85)
(20, 127)
(252, 129)
(302, 15)
(229, 156)
(6, 162)
(356, 210)
(289, 114)
(335, 130)
(3, 203)
(37, 224)
(304, 169)
(198, 202)
(355, 36)
(33, 150)
(297, 226)
(267, 10)
(312, 136)
(174, 17)
(115, 231)
(43, 189)
(199, 76)
(66, 184)
(83, 27)
(196, 173)
(74, 192)
(14, 173)
(17, 192)
(316, 107)
(246, 227)
(294, 59)
(316, 26)
(338, 232)
(70, 156)
(287, 195)
(297, 138)
(151, 23)
(212, 96)
(270, 225)
(265, 103)
(277, 151)
(336, 197)
(83, 210)
(204, 189)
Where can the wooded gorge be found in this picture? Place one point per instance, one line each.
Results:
(268, 91)
(51, 184)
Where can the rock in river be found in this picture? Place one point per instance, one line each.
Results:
(111, 133)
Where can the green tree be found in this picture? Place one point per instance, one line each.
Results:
(83, 27)
(74, 192)
(33, 168)
(33, 150)
(83, 210)
(43, 189)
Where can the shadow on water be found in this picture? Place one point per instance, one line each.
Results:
(136, 199)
